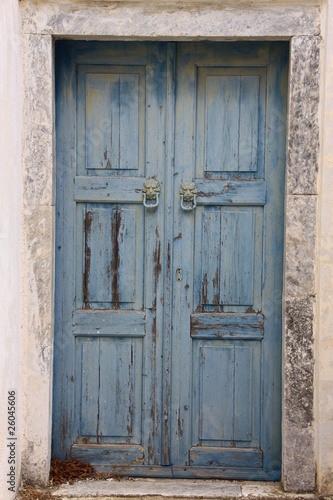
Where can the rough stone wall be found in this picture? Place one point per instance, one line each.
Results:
(10, 229)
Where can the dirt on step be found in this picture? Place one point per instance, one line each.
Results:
(29, 492)
(68, 471)
(62, 472)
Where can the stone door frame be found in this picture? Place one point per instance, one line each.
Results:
(42, 23)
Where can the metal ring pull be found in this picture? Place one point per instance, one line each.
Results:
(188, 194)
(151, 192)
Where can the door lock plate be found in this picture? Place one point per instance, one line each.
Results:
(179, 274)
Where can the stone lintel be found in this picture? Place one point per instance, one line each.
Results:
(171, 19)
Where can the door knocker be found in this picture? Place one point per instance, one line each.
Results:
(188, 194)
(151, 192)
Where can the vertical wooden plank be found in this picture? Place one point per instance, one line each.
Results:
(183, 257)
(99, 102)
(168, 252)
(80, 254)
(116, 389)
(243, 399)
(216, 406)
(127, 250)
(277, 91)
(154, 263)
(237, 244)
(98, 253)
(248, 123)
(129, 122)
(139, 257)
(112, 160)
(90, 387)
(64, 344)
(222, 123)
(211, 237)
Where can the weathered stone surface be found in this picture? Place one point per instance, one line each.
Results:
(298, 459)
(210, 18)
(161, 488)
(38, 121)
(300, 244)
(37, 341)
(298, 362)
(303, 135)
(38, 249)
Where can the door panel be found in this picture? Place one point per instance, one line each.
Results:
(225, 320)
(111, 133)
(229, 417)
(110, 400)
(230, 119)
(228, 258)
(112, 267)
(168, 321)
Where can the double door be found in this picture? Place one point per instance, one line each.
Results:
(169, 250)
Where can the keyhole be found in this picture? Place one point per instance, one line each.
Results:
(179, 274)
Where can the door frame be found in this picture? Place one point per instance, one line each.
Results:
(300, 229)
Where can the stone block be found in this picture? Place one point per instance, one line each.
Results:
(298, 459)
(38, 227)
(303, 134)
(194, 18)
(38, 132)
(300, 246)
(298, 362)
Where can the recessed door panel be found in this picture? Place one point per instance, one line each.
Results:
(111, 119)
(227, 417)
(230, 124)
(112, 236)
(110, 375)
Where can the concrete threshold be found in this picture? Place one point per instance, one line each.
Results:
(160, 489)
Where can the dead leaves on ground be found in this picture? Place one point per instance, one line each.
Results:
(68, 471)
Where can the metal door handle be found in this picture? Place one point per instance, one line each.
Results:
(151, 192)
(188, 193)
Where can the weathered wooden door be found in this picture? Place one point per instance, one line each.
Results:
(168, 316)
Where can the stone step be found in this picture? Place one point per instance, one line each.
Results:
(175, 489)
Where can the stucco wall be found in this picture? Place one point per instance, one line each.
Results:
(43, 19)
(10, 229)
(186, 20)
(324, 330)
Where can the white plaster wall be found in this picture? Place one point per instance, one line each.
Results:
(136, 19)
(10, 229)
(324, 345)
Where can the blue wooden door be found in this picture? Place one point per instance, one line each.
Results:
(168, 317)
